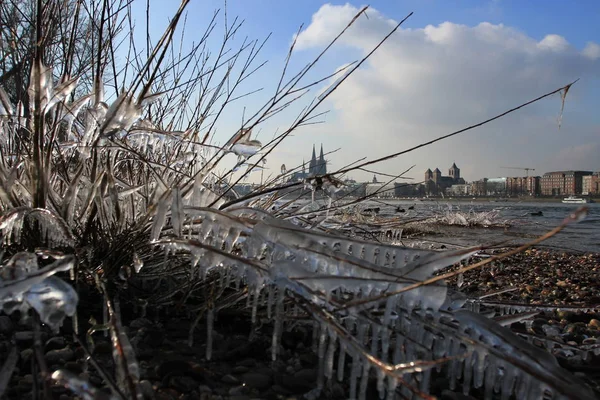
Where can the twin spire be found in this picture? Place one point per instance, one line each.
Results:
(317, 166)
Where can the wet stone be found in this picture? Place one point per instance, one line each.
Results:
(184, 384)
(6, 325)
(240, 369)
(256, 380)
(230, 379)
(55, 343)
(103, 348)
(172, 367)
(74, 367)
(59, 356)
(26, 382)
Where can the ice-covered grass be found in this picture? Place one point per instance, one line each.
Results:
(127, 192)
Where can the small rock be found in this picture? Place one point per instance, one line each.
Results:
(175, 367)
(308, 359)
(230, 379)
(6, 325)
(59, 356)
(146, 389)
(154, 337)
(140, 323)
(184, 384)
(103, 348)
(280, 390)
(26, 382)
(240, 369)
(55, 343)
(74, 367)
(306, 375)
(204, 389)
(256, 380)
(248, 362)
(237, 391)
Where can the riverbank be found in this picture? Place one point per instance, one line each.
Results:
(240, 367)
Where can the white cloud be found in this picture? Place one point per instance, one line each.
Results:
(426, 82)
(592, 50)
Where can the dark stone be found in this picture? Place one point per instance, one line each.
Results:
(248, 362)
(309, 359)
(55, 343)
(6, 325)
(103, 348)
(257, 380)
(240, 369)
(73, 366)
(230, 379)
(172, 367)
(141, 323)
(59, 356)
(154, 338)
(184, 384)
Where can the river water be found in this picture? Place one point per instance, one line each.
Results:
(582, 236)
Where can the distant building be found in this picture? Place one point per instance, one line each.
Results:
(435, 183)
(591, 184)
(479, 188)
(459, 190)
(380, 189)
(496, 187)
(523, 186)
(559, 183)
(406, 189)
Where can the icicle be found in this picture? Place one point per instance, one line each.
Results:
(380, 382)
(210, 314)
(255, 303)
(391, 388)
(159, 219)
(330, 354)
(315, 337)
(321, 355)
(177, 214)
(364, 381)
(354, 374)
(105, 317)
(467, 373)
(277, 329)
(490, 378)
(508, 382)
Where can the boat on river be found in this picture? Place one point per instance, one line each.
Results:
(575, 200)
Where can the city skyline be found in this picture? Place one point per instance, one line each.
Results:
(447, 68)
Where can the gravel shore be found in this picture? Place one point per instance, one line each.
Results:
(241, 368)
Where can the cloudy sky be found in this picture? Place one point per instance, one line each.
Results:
(453, 64)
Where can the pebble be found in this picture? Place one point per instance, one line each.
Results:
(59, 356)
(6, 325)
(256, 380)
(174, 367)
(184, 384)
(230, 379)
(240, 369)
(55, 343)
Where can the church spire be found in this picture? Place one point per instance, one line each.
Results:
(312, 166)
(322, 164)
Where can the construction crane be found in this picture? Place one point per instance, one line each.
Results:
(525, 169)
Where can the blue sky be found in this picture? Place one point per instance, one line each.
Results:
(531, 137)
